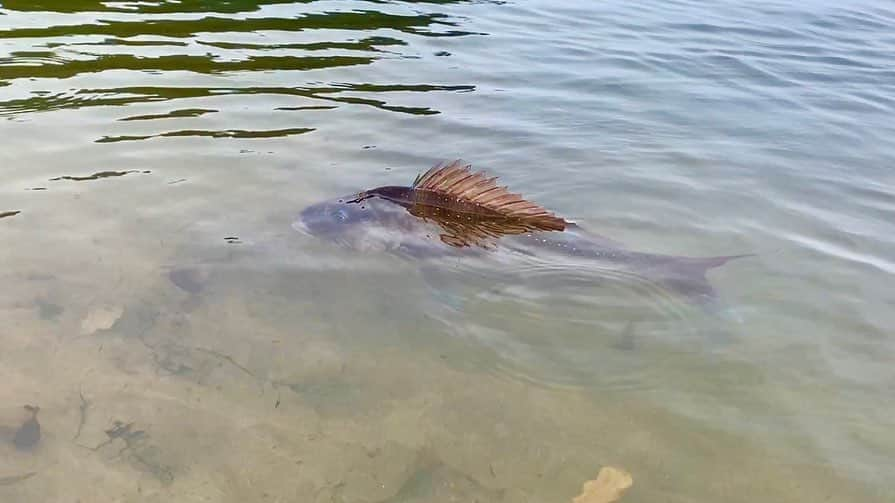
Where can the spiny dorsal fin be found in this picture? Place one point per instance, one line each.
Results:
(464, 229)
(454, 179)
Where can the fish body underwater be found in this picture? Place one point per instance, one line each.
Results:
(451, 211)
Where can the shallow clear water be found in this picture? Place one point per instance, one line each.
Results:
(184, 343)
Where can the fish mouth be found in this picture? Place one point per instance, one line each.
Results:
(305, 221)
(299, 225)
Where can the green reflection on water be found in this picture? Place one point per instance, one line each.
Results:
(358, 21)
(66, 58)
(182, 6)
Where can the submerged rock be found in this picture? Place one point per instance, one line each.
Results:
(28, 435)
(190, 280)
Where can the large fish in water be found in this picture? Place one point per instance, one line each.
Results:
(453, 211)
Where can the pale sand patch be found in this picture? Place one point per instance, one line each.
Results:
(609, 486)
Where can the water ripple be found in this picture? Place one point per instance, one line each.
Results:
(132, 95)
(189, 112)
(233, 133)
(567, 325)
(161, 40)
(676, 126)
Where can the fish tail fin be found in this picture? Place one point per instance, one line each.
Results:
(712, 262)
(687, 276)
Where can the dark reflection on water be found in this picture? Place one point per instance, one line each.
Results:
(211, 134)
(183, 6)
(197, 112)
(231, 6)
(198, 64)
(360, 21)
(130, 95)
(96, 176)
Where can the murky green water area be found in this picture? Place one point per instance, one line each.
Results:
(184, 343)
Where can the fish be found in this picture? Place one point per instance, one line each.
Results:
(452, 211)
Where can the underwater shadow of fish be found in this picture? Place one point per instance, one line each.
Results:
(471, 215)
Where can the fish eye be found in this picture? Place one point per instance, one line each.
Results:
(339, 214)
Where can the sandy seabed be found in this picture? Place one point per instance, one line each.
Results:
(238, 393)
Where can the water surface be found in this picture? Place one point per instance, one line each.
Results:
(184, 343)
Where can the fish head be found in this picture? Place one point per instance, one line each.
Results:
(369, 223)
(334, 217)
